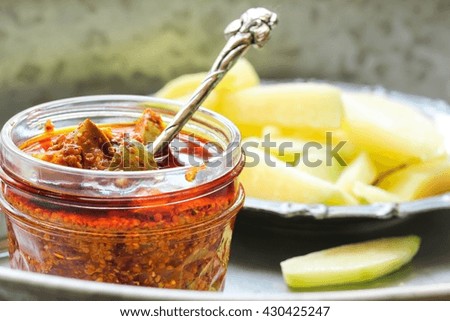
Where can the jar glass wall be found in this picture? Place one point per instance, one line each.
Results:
(163, 228)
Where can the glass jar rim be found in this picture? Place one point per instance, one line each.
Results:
(233, 150)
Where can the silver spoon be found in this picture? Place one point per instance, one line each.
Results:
(252, 28)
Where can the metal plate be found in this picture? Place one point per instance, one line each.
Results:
(254, 272)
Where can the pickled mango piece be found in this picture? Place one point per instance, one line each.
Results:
(351, 263)
(419, 180)
(149, 126)
(90, 138)
(132, 155)
(87, 147)
(266, 177)
(393, 133)
(361, 170)
(289, 106)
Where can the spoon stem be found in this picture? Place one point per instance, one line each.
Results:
(253, 28)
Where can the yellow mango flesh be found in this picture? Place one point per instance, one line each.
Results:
(241, 75)
(419, 180)
(286, 105)
(369, 194)
(279, 182)
(361, 170)
(392, 133)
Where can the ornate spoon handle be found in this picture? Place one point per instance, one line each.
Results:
(253, 28)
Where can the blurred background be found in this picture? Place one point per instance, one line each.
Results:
(53, 49)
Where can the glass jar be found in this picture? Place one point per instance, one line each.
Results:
(3, 242)
(164, 228)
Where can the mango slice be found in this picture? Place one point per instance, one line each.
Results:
(419, 180)
(267, 177)
(351, 263)
(181, 86)
(392, 133)
(369, 194)
(360, 170)
(308, 157)
(241, 76)
(291, 106)
(333, 137)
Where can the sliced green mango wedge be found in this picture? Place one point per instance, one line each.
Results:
(90, 138)
(351, 263)
(149, 126)
(132, 156)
